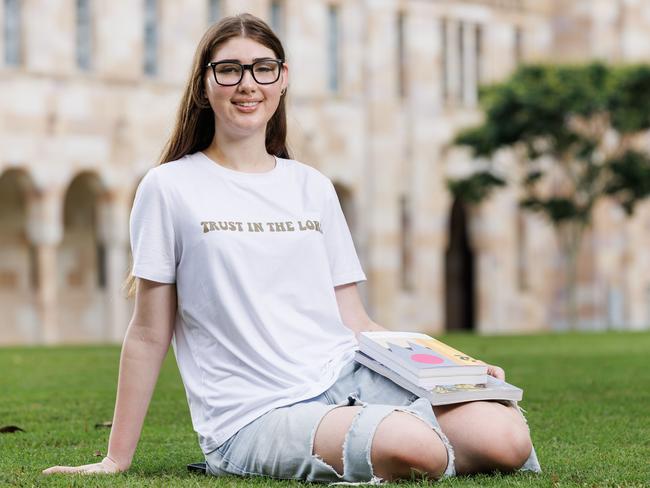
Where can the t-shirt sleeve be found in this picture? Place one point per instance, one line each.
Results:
(153, 240)
(343, 260)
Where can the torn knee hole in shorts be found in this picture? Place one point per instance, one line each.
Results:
(445, 441)
(316, 456)
(315, 430)
(346, 439)
(322, 462)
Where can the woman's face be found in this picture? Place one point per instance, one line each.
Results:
(244, 109)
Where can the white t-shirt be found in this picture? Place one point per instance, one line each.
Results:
(255, 258)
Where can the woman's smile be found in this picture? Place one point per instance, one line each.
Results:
(246, 106)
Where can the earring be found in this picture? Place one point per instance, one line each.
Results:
(283, 91)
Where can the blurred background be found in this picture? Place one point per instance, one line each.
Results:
(378, 91)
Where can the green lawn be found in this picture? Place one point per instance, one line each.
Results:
(587, 398)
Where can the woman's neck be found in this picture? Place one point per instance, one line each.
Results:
(246, 154)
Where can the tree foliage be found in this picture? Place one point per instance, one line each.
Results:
(579, 128)
(580, 132)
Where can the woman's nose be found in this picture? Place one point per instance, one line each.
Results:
(247, 80)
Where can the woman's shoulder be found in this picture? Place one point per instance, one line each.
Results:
(170, 172)
(170, 169)
(164, 178)
(307, 171)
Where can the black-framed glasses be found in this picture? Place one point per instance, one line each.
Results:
(229, 73)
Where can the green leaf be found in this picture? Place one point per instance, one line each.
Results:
(629, 103)
(475, 188)
(559, 209)
(479, 139)
(630, 179)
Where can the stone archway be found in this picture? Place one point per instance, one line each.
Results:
(18, 263)
(82, 263)
(460, 303)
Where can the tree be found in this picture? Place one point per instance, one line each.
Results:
(578, 132)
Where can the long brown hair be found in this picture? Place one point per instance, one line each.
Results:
(194, 127)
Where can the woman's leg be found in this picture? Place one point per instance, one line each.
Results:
(486, 436)
(314, 441)
(489, 435)
(402, 443)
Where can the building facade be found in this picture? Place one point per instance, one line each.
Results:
(378, 88)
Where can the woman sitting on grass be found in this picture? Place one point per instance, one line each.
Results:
(243, 260)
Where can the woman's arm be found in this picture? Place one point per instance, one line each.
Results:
(145, 346)
(354, 316)
(352, 311)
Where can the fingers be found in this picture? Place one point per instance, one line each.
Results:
(497, 372)
(85, 469)
(62, 469)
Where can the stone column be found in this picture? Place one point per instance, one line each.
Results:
(423, 308)
(45, 232)
(383, 161)
(187, 21)
(42, 22)
(453, 61)
(113, 217)
(607, 18)
(498, 57)
(491, 237)
(470, 65)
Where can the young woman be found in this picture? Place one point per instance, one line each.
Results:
(243, 261)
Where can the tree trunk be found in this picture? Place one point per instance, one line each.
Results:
(571, 234)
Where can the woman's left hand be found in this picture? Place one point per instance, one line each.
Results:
(497, 372)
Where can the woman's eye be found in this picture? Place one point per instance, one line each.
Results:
(227, 69)
(265, 67)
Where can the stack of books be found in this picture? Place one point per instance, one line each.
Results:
(431, 369)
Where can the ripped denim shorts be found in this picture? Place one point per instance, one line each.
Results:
(279, 444)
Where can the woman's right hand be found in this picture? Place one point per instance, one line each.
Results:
(106, 466)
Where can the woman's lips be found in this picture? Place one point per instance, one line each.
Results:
(249, 106)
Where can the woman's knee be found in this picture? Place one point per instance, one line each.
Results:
(509, 443)
(403, 445)
(486, 436)
(516, 447)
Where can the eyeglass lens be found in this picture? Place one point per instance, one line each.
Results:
(264, 72)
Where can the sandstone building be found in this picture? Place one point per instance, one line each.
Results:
(89, 90)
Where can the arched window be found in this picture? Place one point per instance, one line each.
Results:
(406, 244)
(12, 33)
(277, 17)
(401, 64)
(333, 49)
(84, 34)
(522, 257)
(459, 273)
(214, 11)
(151, 37)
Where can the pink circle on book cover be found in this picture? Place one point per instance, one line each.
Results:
(427, 358)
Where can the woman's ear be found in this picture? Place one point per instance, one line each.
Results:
(284, 78)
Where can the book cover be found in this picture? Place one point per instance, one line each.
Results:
(493, 389)
(416, 355)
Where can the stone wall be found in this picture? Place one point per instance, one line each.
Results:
(77, 142)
